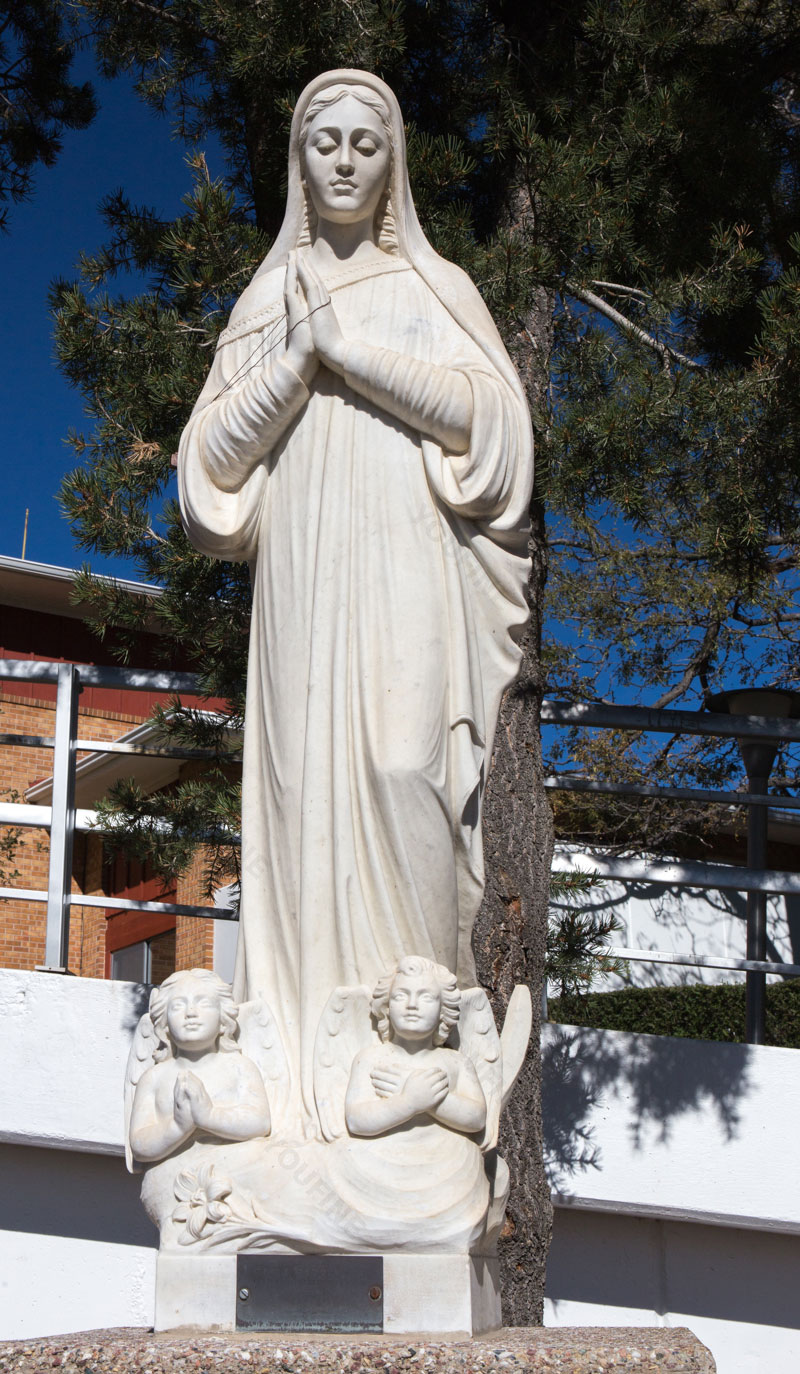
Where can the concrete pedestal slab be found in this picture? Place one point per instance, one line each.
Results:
(515, 1350)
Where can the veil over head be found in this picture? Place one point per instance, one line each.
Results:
(454, 288)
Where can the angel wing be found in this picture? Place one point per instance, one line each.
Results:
(260, 1040)
(344, 1030)
(476, 1037)
(140, 1059)
(514, 1037)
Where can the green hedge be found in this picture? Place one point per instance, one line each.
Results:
(697, 1012)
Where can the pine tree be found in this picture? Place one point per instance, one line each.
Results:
(620, 177)
(37, 98)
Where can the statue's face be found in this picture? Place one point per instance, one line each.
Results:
(347, 158)
(194, 1017)
(415, 1005)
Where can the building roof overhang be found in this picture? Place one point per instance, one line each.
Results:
(49, 589)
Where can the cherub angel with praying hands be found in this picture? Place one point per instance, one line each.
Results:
(410, 1073)
(198, 1084)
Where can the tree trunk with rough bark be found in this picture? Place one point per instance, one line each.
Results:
(510, 932)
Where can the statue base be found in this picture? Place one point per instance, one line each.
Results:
(570, 1350)
(394, 1294)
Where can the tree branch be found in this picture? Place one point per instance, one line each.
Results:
(622, 290)
(697, 663)
(664, 351)
(777, 620)
(160, 13)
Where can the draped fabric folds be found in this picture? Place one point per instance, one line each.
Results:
(388, 599)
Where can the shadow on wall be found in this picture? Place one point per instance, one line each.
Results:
(690, 920)
(136, 999)
(673, 1267)
(66, 1193)
(656, 1078)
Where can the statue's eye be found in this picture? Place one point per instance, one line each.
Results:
(179, 1002)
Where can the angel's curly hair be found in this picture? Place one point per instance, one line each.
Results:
(213, 984)
(415, 965)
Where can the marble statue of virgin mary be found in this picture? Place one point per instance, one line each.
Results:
(364, 442)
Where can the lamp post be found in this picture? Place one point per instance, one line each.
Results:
(758, 756)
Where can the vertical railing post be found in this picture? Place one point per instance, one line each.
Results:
(756, 983)
(62, 824)
(758, 760)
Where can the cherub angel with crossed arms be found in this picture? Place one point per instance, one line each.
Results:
(410, 1073)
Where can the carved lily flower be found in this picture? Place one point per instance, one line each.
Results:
(202, 1198)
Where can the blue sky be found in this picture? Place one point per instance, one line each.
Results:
(129, 146)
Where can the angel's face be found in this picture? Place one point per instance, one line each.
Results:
(415, 1006)
(194, 1016)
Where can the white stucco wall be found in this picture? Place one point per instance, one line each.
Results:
(65, 1044)
(673, 1168)
(673, 1128)
(735, 1289)
(226, 938)
(76, 1249)
(685, 920)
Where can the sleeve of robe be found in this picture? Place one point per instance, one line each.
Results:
(490, 482)
(242, 412)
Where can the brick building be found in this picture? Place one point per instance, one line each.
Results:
(39, 621)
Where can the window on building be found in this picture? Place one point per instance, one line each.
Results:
(140, 945)
(147, 961)
(132, 964)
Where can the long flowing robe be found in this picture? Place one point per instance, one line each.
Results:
(388, 598)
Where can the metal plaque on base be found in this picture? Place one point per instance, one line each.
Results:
(309, 1292)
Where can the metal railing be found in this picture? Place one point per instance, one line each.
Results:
(685, 873)
(62, 819)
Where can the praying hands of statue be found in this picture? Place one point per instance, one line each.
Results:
(433, 400)
(328, 339)
(193, 1106)
(312, 329)
(302, 355)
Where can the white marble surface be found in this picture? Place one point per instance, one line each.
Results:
(195, 1290)
(364, 441)
(442, 1295)
(409, 1081)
